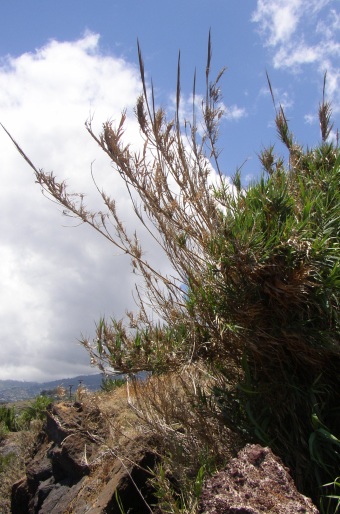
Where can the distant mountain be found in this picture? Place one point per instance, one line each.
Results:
(14, 390)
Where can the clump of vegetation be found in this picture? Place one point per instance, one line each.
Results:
(7, 420)
(13, 419)
(254, 295)
(35, 410)
(18, 431)
(191, 436)
(109, 384)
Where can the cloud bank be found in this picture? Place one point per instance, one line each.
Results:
(57, 279)
(301, 33)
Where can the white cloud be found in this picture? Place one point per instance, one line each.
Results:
(56, 281)
(302, 54)
(302, 33)
(328, 26)
(233, 112)
(310, 119)
(277, 19)
(286, 57)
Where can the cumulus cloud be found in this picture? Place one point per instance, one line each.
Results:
(233, 112)
(57, 279)
(301, 33)
(279, 20)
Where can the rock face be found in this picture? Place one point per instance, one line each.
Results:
(256, 482)
(74, 471)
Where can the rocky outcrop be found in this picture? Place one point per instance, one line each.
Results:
(80, 466)
(255, 482)
(74, 471)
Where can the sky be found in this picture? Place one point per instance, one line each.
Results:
(63, 62)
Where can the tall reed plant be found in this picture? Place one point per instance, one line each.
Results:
(254, 292)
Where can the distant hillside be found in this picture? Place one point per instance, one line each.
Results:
(13, 390)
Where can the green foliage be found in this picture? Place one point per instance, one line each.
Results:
(278, 282)
(8, 418)
(171, 499)
(3, 431)
(12, 421)
(142, 351)
(110, 384)
(119, 503)
(6, 461)
(330, 503)
(35, 410)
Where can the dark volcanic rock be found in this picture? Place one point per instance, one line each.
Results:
(256, 482)
(39, 468)
(20, 494)
(73, 471)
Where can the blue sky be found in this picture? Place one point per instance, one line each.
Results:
(62, 61)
